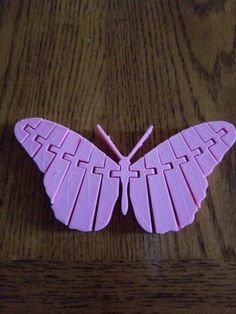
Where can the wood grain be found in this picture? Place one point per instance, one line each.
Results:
(120, 287)
(125, 65)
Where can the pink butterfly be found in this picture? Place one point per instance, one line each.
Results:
(166, 186)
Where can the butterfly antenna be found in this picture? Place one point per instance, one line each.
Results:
(140, 142)
(109, 142)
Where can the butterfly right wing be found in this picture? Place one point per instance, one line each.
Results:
(172, 177)
(76, 173)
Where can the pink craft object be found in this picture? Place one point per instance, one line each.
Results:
(166, 186)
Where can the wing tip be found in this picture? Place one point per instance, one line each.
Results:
(19, 129)
(19, 132)
(230, 132)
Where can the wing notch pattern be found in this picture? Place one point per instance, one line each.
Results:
(166, 186)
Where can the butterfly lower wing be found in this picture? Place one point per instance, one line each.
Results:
(172, 177)
(76, 177)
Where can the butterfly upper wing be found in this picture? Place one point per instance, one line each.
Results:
(172, 177)
(77, 174)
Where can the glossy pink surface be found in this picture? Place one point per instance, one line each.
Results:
(166, 186)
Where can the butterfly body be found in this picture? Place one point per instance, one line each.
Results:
(166, 186)
(124, 174)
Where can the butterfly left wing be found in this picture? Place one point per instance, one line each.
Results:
(172, 177)
(76, 173)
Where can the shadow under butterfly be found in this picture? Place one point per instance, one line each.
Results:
(166, 186)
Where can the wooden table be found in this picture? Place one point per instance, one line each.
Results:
(125, 65)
